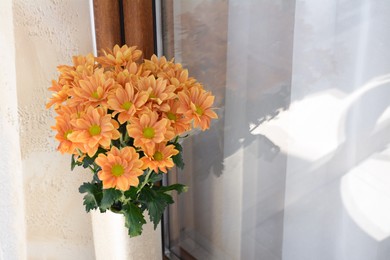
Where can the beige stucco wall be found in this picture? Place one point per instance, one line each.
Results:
(12, 228)
(48, 33)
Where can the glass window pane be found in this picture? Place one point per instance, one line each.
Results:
(295, 166)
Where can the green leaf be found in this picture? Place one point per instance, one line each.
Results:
(131, 193)
(74, 163)
(156, 202)
(110, 196)
(87, 187)
(180, 188)
(93, 197)
(133, 219)
(90, 202)
(87, 161)
(155, 177)
(178, 158)
(95, 179)
(178, 147)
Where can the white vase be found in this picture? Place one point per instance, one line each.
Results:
(112, 241)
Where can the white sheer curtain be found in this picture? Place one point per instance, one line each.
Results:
(41, 211)
(337, 202)
(298, 166)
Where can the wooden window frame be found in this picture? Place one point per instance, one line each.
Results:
(130, 22)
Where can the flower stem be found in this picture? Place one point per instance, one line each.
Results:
(92, 169)
(145, 181)
(124, 138)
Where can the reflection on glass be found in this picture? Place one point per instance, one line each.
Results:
(302, 92)
(234, 172)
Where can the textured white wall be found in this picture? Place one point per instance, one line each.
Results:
(48, 33)
(12, 229)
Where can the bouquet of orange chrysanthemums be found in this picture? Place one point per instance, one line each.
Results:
(122, 118)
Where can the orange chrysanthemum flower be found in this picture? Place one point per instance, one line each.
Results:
(137, 70)
(159, 158)
(64, 128)
(94, 128)
(75, 112)
(84, 65)
(68, 74)
(93, 90)
(156, 65)
(119, 56)
(158, 90)
(196, 106)
(131, 74)
(172, 72)
(119, 168)
(60, 95)
(147, 130)
(178, 77)
(177, 120)
(55, 86)
(126, 102)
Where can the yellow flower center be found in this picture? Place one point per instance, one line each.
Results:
(158, 156)
(171, 116)
(152, 95)
(126, 106)
(95, 95)
(148, 132)
(117, 170)
(199, 110)
(95, 130)
(67, 133)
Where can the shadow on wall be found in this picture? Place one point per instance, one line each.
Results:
(266, 109)
(266, 91)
